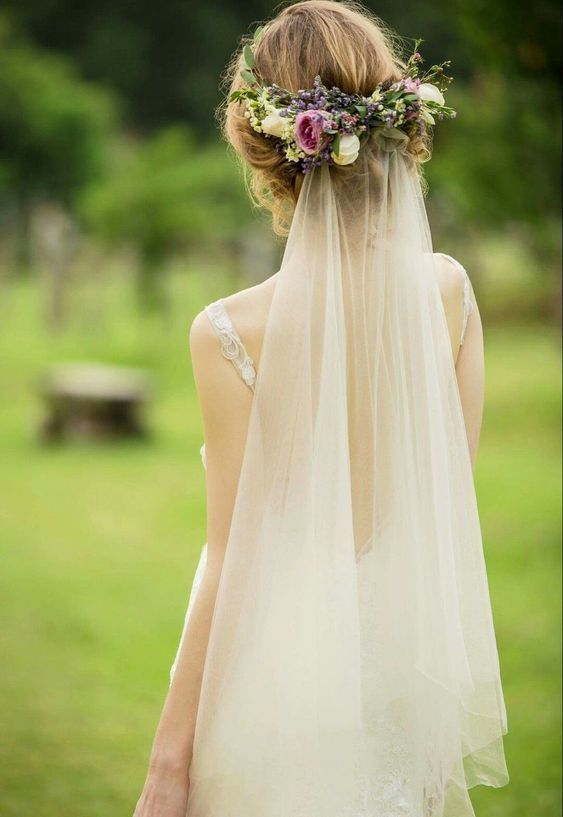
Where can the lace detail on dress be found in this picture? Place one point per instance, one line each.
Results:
(231, 345)
(232, 348)
(467, 302)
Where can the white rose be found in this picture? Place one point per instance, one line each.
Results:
(429, 93)
(347, 150)
(273, 124)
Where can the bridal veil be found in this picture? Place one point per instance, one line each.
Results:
(352, 669)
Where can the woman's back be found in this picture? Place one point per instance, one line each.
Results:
(226, 400)
(233, 331)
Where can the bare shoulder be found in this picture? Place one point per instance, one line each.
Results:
(450, 280)
(203, 352)
(248, 310)
(219, 384)
(201, 334)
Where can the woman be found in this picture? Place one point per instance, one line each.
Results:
(338, 657)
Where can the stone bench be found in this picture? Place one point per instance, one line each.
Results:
(94, 401)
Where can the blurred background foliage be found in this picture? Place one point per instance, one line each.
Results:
(121, 215)
(100, 102)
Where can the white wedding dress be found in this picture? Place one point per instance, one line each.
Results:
(351, 668)
(390, 740)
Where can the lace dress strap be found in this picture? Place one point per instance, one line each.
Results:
(467, 302)
(232, 346)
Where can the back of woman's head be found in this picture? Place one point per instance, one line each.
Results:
(339, 41)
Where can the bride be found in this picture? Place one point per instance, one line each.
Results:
(338, 657)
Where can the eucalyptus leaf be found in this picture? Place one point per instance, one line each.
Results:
(248, 56)
(258, 33)
(336, 144)
(248, 76)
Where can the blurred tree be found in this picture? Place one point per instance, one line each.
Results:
(500, 162)
(167, 193)
(54, 130)
(164, 59)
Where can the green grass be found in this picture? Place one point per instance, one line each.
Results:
(100, 544)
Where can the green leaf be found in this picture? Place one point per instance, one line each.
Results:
(258, 33)
(336, 144)
(248, 56)
(248, 76)
(362, 110)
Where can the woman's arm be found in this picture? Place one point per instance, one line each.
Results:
(470, 372)
(218, 386)
(165, 792)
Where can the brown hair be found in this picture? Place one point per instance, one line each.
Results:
(340, 41)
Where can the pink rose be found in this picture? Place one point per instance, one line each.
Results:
(309, 133)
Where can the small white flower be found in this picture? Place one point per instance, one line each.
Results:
(348, 150)
(274, 124)
(293, 154)
(430, 93)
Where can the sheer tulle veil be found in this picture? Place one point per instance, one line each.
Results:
(352, 638)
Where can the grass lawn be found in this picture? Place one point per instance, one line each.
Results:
(99, 544)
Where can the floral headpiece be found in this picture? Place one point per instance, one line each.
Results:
(327, 126)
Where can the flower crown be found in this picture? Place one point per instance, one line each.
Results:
(327, 126)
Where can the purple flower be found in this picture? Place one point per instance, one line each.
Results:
(309, 131)
(411, 85)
